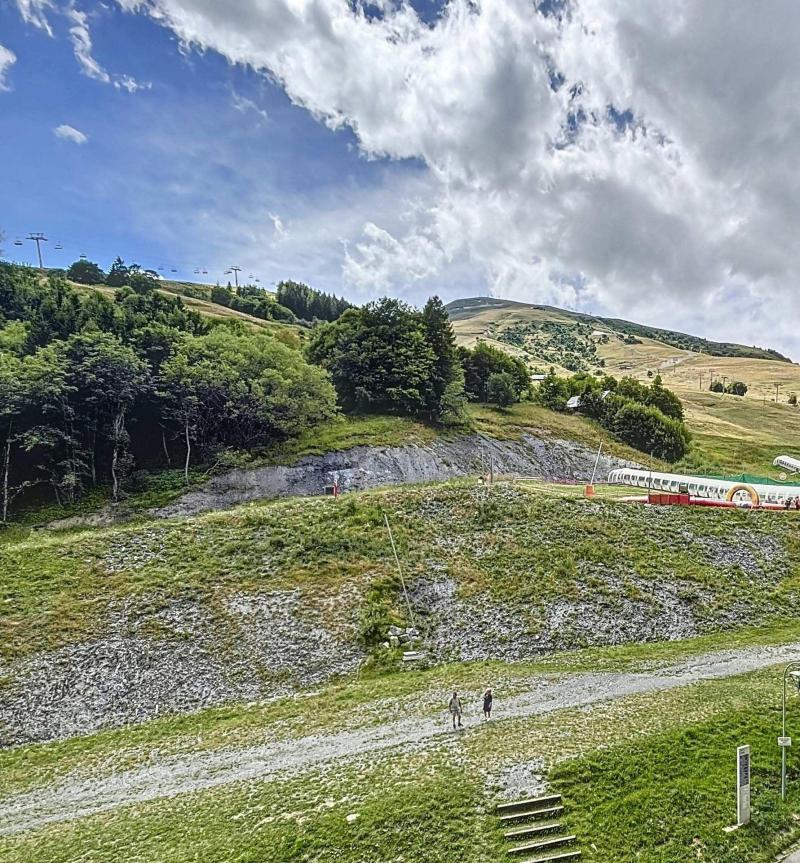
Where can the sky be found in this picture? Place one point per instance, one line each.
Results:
(611, 156)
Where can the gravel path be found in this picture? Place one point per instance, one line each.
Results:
(79, 796)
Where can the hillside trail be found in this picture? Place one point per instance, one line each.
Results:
(80, 794)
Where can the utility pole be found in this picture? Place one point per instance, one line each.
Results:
(776, 393)
(724, 378)
(38, 238)
(701, 380)
(235, 271)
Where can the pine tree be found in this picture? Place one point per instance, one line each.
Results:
(445, 399)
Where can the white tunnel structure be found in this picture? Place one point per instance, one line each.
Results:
(787, 463)
(700, 486)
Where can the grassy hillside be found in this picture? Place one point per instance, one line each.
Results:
(487, 309)
(519, 546)
(197, 298)
(731, 434)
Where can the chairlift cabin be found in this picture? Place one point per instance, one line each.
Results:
(58, 246)
(83, 257)
(173, 270)
(18, 242)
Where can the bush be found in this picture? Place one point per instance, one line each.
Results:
(647, 429)
(736, 388)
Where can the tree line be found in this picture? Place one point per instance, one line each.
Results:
(93, 388)
(88, 383)
(309, 304)
(646, 417)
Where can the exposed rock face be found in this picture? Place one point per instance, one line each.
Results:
(368, 467)
(183, 659)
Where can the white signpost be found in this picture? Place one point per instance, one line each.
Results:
(742, 785)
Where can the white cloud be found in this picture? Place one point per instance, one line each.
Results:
(244, 105)
(126, 82)
(7, 59)
(82, 46)
(70, 133)
(278, 226)
(36, 12)
(682, 211)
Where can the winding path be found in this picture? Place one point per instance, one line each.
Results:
(79, 796)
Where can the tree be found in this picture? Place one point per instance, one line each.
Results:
(445, 398)
(221, 296)
(665, 400)
(378, 357)
(647, 429)
(106, 378)
(118, 274)
(86, 273)
(485, 360)
(553, 392)
(500, 389)
(142, 281)
(241, 389)
(717, 387)
(308, 304)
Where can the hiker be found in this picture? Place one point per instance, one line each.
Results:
(455, 709)
(487, 703)
(788, 503)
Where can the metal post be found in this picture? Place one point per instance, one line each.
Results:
(596, 462)
(38, 238)
(399, 568)
(783, 734)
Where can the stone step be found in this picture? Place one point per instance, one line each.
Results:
(554, 858)
(532, 830)
(541, 845)
(530, 803)
(531, 814)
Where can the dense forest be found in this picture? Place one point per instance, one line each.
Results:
(91, 387)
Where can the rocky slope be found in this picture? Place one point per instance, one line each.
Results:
(366, 467)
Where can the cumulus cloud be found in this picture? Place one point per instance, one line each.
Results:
(70, 133)
(612, 154)
(7, 59)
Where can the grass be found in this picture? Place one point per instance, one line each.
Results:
(648, 778)
(346, 703)
(669, 798)
(522, 544)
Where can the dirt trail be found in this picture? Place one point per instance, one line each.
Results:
(80, 795)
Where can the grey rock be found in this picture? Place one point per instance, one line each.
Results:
(369, 467)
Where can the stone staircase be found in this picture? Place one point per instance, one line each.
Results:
(534, 834)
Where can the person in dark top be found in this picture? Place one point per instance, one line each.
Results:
(487, 704)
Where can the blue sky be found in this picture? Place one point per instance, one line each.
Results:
(376, 147)
(167, 174)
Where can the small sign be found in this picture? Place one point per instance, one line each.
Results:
(743, 785)
(784, 741)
